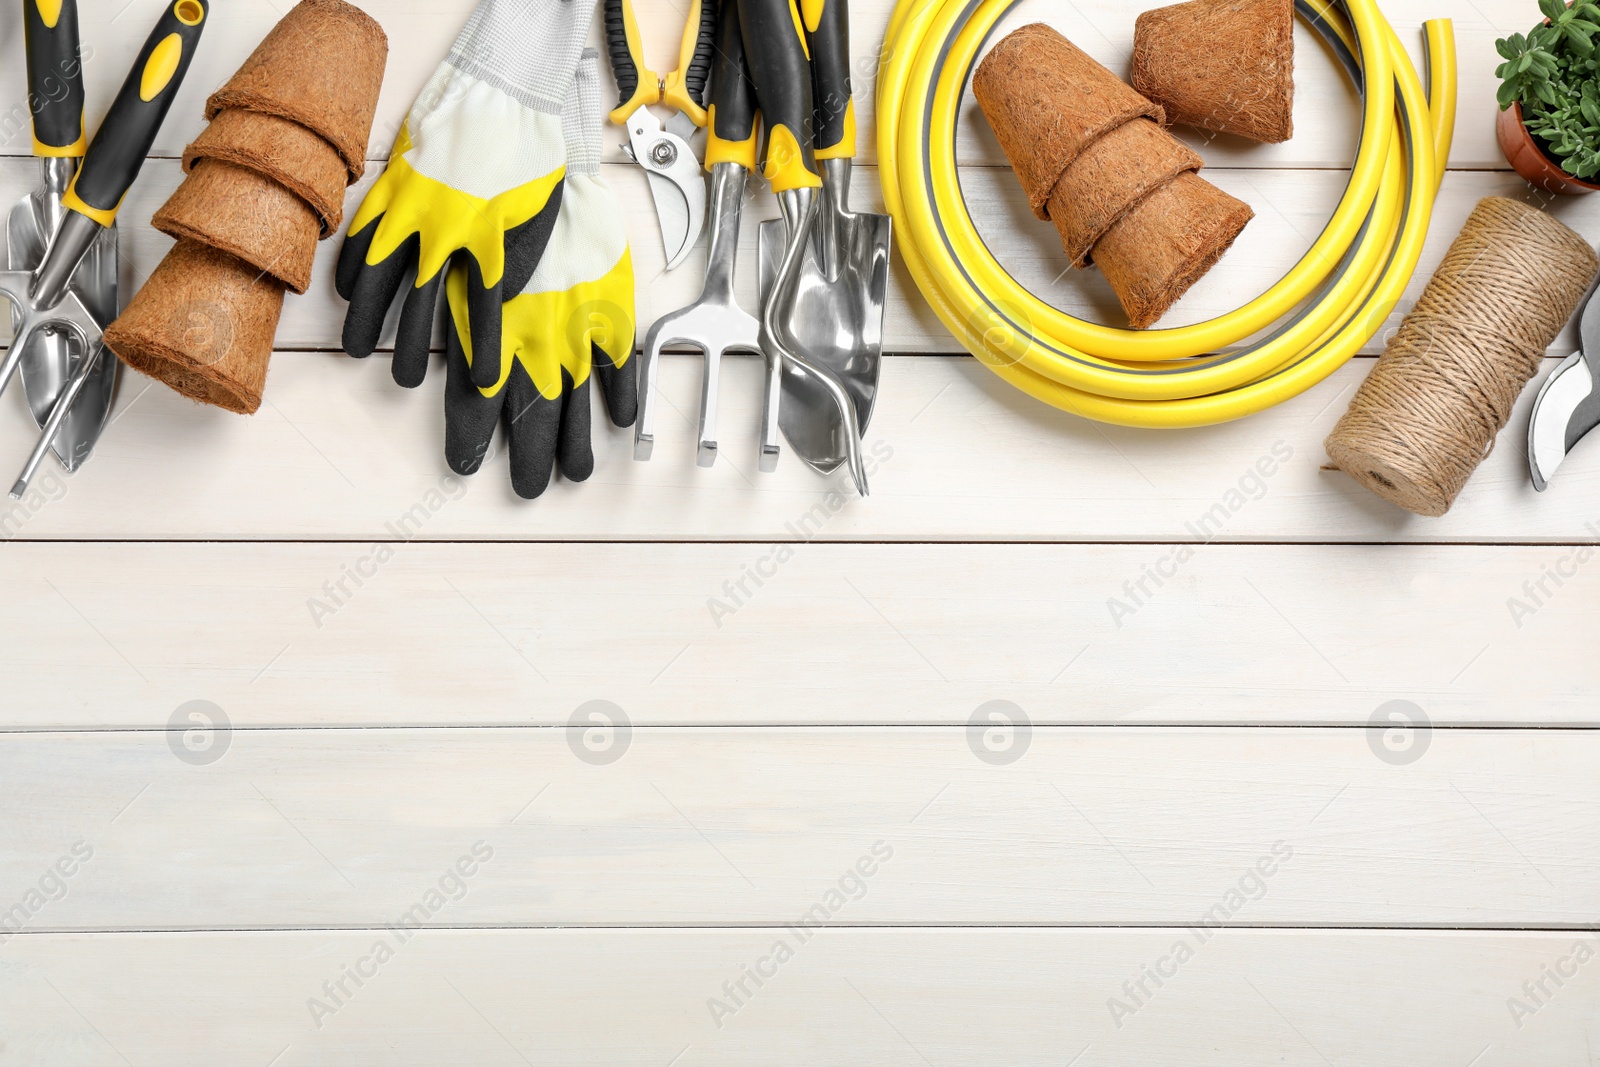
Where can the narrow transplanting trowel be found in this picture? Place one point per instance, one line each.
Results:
(43, 300)
(837, 314)
(1568, 406)
(48, 360)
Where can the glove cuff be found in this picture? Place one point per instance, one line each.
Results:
(528, 49)
(581, 117)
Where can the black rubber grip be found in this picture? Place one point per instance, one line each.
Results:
(732, 96)
(830, 72)
(781, 74)
(130, 127)
(55, 74)
(622, 65)
(698, 76)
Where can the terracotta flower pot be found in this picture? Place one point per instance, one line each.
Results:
(1529, 160)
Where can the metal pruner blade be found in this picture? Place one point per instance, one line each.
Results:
(1568, 406)
(677, 184)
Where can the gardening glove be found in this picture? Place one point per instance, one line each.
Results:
(571, 323)
(476, 174)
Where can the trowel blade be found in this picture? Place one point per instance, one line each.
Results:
(49, 359)
(838, 323)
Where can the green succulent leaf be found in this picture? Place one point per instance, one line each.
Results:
(1553, 71)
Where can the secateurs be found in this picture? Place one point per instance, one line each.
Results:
(1568, 407)
(663, 150)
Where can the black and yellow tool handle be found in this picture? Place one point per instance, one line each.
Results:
(55, 77)
(828, 32)
(119, 149)
(775, 49)
(685, 88)
(731, 130)
(637, 84)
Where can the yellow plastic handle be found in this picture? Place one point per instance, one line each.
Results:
(685, 87)
(638, 85)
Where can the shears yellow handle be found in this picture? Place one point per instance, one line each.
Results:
(639, 86)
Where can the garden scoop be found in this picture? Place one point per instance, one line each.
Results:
(843, 286)
(776, 53)
(43, 300)
(55, 91)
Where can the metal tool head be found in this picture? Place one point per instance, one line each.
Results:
(1568, 405)
(68, 317)
(676, 183)
(714, 325)
(48, 361)
(837, 317)
(799, 207)
(714, 330)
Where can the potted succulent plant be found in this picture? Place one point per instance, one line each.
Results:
(1549, 124)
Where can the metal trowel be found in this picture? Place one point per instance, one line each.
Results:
(43, 300)
(837, 314)
(48, 360)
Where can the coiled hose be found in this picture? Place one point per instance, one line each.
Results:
(1334, 300)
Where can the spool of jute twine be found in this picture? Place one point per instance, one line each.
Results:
(1429, 413)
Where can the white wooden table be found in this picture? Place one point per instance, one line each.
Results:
(392, 847)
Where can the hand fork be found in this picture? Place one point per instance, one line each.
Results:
(715, 324)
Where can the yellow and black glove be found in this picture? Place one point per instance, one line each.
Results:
(573, 322)
(475, 176)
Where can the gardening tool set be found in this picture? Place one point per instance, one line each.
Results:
(494, 205)
(823, 282)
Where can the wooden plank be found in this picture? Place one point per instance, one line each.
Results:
(1104, 826)
(432, 635)
(951, 997)
(339, 452)
(420, 32)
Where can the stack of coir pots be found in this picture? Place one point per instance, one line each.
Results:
(266, 181)
(1093, 156)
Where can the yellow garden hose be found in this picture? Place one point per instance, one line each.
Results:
(1320, 314)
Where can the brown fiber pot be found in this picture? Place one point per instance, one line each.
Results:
(1530, 161)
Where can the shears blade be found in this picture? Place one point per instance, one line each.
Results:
(1568, 406)
(676, 183)
(681, 210)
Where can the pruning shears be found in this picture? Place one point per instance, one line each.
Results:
(662, 149)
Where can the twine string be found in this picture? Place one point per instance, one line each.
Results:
(1430, 411)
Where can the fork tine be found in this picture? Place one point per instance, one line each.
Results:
(710, 387)
(769, 414)
(644, 434)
